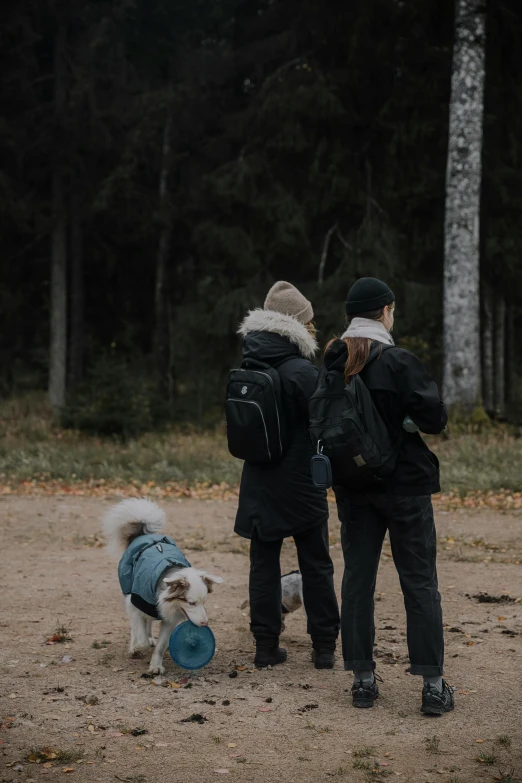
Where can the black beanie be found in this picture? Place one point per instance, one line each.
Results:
(368, 294)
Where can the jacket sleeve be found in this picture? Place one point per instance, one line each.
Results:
(305, 381)
(420, 396)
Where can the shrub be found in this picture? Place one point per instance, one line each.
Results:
(114, 400)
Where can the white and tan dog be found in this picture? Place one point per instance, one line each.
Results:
(156, 578)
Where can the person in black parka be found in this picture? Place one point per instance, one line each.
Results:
(278, 500)
(401, 505)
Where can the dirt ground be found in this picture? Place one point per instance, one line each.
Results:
(83, 697)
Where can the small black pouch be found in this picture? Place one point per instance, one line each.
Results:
(321, 471)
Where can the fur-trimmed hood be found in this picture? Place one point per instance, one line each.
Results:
(260, 320)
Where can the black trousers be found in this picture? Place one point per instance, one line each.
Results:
(315, 563)
(364, 521)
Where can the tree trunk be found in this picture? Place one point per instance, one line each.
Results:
(161, 335)
(510, 356)
(58, 343)
(500, 353)
(487, 352)
(76, 343)
(324, 254)
(461, 230)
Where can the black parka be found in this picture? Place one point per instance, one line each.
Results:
(400, 385)
(279, 499)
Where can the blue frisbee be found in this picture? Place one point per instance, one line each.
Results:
(192, 647)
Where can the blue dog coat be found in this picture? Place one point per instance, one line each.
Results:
(142, 566)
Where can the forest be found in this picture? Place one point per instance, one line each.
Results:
(162, 164)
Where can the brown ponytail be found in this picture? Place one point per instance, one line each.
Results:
(358, 348)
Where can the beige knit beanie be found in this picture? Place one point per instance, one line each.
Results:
(284, 298)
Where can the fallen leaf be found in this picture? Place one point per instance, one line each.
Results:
(90, 727)
(149, 709)
(241, 669)
(68, 769)
(115, 734)
(172, 684)
(264, 709)
(501, 618)
(232, 744)
(479, 740)
(48, 764)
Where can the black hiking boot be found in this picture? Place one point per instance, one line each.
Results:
(268, 652)
(323, 652)
(364, 693)
(436, 702)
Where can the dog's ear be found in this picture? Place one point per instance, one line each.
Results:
(177, 587)
(210, 580)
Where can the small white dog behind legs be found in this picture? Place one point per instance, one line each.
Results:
(156, 578)
(291, 594)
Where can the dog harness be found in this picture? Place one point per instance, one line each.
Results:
(142, 566)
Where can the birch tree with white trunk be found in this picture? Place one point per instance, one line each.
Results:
(462, 366)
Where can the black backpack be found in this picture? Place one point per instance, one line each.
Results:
(346, 427)
(256, 429)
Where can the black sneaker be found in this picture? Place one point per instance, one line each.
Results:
(364, 693)
(268, 652)
(436, 702)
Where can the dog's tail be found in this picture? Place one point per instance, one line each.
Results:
(129, 519)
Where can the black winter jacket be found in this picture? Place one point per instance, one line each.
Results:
(399, 385)
(279, 499)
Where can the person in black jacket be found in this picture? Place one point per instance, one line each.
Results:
(278, 500)
(400, 387)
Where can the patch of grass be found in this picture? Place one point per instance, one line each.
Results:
(480, 462)
(106, 659)
(96, 645)
(506, 777)
(360, 764)
(216, 740)
(504, 740)
(455, 779)
(56, 755)
(31, 448)
(432, 744)
(487, 758)
(364, 752)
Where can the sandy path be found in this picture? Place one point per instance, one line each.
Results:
(52, 574)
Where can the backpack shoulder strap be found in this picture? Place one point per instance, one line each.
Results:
(376, 350)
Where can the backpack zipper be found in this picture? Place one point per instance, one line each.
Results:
(251, 402)
(259, 372)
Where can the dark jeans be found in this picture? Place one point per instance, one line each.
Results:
(320, 602)
(364, 521)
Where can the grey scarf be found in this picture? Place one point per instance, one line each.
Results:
(373, 330)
